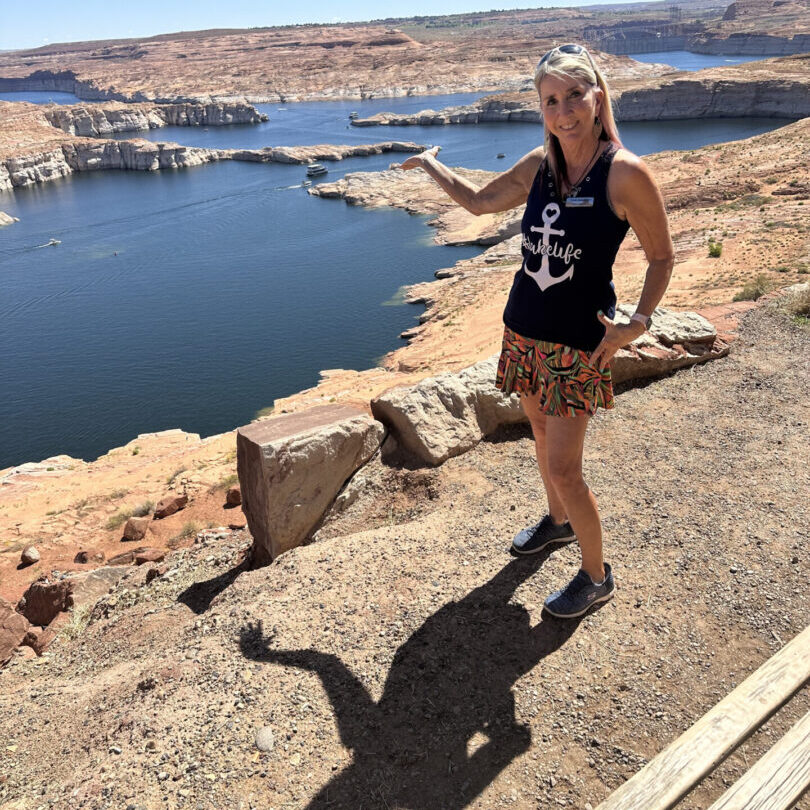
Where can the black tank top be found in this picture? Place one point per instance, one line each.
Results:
(568, 255)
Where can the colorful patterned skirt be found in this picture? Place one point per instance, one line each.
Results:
(568, 384)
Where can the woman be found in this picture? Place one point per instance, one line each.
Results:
(582, 190)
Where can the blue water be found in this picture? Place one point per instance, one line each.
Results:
(188, 299)
(41, 97)
(194, 298)
(686, 60)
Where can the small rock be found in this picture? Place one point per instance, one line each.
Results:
(136, 527)
(154, 573)
(162, 776)
(114, 749)
(169, 505)
(265, 739)
(151, 745)
(234, 496)
(29, 556)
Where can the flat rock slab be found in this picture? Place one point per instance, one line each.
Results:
(90, 586)
(291, 467)
(447, 415)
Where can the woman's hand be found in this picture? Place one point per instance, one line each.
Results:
(417, 161)
(616, 336)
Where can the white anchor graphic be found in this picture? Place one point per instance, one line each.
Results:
(542, 276)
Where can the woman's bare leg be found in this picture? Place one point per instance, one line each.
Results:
(565, 439)
(537, 420)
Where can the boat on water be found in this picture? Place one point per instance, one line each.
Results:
(306, 183)
(54, 242)
(316, 169)
(500, 155)
(354, 115)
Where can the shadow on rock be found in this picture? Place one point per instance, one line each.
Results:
(451, 679)
(200, 595)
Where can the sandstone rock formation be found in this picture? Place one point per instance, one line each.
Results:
(136, 527)
(774, 88)
(307, 154)
(291, 468)
(13, 629)
(7, 219)
(169, 505)
(447, 415)
(33, 150)
(44, 599)
(103, 121)
(304, 62)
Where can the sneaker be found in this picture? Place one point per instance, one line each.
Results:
(536, 538)
(579, 594)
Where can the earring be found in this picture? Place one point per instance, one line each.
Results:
(597, 127)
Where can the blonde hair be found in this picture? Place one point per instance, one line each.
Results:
(579, 66)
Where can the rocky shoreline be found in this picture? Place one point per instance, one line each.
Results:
(140, 155)
(97, 121)
(778, 88)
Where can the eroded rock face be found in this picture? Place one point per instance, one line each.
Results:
(291, 467)
(96, 121)
(447, 415)
(13, 629)
(7, 219)
(44, 599)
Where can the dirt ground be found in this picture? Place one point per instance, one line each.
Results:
(401, 660)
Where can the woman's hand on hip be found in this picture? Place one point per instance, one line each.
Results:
(418, 161)
(616, 336)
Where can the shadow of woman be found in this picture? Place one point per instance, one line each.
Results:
(450, 681)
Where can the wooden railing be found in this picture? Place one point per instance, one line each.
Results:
(775, 782)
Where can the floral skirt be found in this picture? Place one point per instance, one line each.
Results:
(568, 384)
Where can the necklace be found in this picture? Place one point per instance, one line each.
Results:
(574, 188)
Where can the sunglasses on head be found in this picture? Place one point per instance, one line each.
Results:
(571, 47)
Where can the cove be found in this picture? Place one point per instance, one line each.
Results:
(193, 298)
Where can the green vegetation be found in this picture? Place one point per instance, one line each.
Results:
(79, 619)
(144, 509)
(754, 289)
(715, 249)
(227, 481)
(798, 307)
(268, 411)
(170, 480)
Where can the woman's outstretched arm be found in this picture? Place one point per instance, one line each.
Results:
(504, 192)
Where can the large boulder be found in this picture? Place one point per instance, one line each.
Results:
(447, 415)
(89, 586)
(291, 467)
(675, 340)
(44, 599)
(13, 629)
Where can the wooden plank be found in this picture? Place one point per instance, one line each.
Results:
(668, 777)
(778, 779)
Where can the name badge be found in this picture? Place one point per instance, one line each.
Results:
(579, 202)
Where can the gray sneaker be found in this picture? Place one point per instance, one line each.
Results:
(579, 594)
(536, 538)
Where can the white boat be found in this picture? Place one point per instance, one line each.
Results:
(54, 242)
(354, 115)
(306, 183)
(316, 169)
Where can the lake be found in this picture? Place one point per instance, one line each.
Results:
(194, 298)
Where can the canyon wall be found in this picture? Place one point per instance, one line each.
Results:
(94, 121)
(671, 99)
